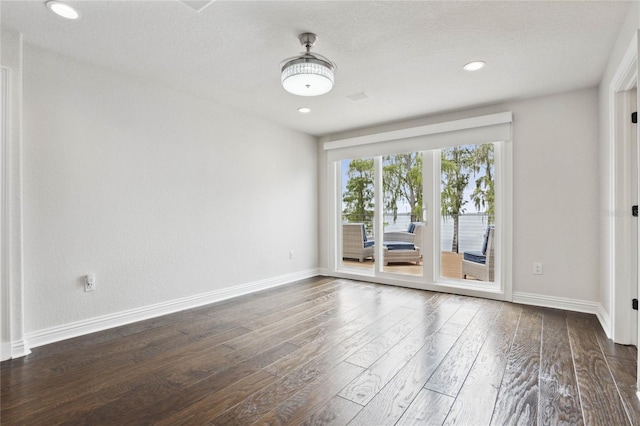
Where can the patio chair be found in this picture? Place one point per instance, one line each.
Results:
(402, 246)
(412, 235)
(355, 244)
(480, 264)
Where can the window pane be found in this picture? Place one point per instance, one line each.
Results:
(358, 243)
(403, 230)
(467, 212)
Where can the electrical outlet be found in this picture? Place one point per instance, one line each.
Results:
(90, 282)
(537, 268)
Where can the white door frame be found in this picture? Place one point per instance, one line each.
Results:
(5, 331)
(620, 258)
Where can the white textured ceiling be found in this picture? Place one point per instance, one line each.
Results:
(407, 57)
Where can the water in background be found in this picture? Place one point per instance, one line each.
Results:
(472, 228)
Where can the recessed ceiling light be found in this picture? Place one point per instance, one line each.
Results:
(474, 66)
(63, 9)
(304, 110)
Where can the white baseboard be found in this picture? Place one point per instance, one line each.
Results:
(605, 320)
(575, 305)
(5, 351)
(19, 348)
(92, 325)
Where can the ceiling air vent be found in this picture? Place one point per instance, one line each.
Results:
(358, 96)
(197, 5)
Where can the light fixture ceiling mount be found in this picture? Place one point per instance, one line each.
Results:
(309, 74)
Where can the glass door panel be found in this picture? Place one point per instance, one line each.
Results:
(357, 214)
(402, 240)
(467, 213)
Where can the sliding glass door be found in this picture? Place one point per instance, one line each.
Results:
(467, 213)
(397, 238)
(357, 204)
(402, 221)
(436, 221)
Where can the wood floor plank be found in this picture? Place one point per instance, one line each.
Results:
(558, 399)
(344, 345)
(622, 370)
(601, 403)
(210, 362)
(347, 323)
(313, 396)
(288, 328)
(452, 372)
(374, 378)
(145, 390)
(457, 323)
(609, 348)
(337, 412)
(429, 408)
(253, 307)
(213, 400)
(391, 402)
(301, 308)
(380, 345)
(137, 404)
(302, 371)
(282, 335)
(366, 386)
(86, 358)
(315, 369)
(480, 388)
(374, 349)
(109, 385)
(517, 401)
(465, 314)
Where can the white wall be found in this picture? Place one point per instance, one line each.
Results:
(612, 212)
(555, 185)
(556, 174)
(162, 195)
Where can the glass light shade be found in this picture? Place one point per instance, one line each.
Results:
(307, 77)
(474, 66)
(62, 9)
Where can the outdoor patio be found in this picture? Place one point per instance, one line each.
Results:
(451, 266)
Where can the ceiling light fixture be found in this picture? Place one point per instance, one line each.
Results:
(63, 9)
(474, 66)
(309, 74)
(304, 110)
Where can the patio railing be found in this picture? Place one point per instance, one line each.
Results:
(472, 227)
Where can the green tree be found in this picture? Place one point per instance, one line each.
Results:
(483, 196)
(402, 180)
(359, 195)
(455, 168)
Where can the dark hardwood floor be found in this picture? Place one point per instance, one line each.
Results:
(329, 351)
